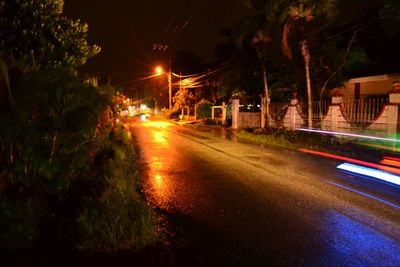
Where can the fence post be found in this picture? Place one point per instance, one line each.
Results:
(337, 102)
(223, 113)
(393, 109)
(235, 113)
(293, 111)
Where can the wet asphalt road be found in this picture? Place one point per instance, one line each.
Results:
(232, 204)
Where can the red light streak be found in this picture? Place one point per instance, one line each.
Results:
(351, 160)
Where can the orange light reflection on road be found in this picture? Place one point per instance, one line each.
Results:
(356, 161)
(156, 164)
(157, 123)
(159, 138)
(158, 180)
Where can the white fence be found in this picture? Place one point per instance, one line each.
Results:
(363, 112)
(380, 115)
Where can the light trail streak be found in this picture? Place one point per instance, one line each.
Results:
(366, 195)
(390, 162)
(378, 174)
(392, 158)
(349, 134)
(351, 160)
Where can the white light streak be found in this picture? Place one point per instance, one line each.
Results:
(382, 175)
(349, 134)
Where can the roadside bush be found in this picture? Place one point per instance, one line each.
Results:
(309, 140)
(117, 218)
(170, 114)
(209, 122)
(65, 183)
(204, 109)
(117, 221)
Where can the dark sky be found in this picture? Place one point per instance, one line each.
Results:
(126, 29)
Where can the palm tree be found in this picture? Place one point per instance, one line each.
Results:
(297, 16)
(260, 41)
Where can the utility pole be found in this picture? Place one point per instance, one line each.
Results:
(163, 48)
(170, 83)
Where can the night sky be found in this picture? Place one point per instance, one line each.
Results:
(127, 29)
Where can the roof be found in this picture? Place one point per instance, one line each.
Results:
(383, 77)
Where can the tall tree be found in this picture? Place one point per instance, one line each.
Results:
(260, 42)
(241, 72)
(390, 13)
(35, 35)
(297, 15)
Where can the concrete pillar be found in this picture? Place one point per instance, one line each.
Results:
(212, 112)
(223, 113)
(293, 111)
(393, 112)
(337, 101)
(292, 116)
(235, 113)
(335, 111)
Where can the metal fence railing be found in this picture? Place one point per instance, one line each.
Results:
(363, 112)
(360, 112)
(319, 108)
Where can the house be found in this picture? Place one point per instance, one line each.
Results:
(357, 88)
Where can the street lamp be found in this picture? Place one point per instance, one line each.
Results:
(159, 70)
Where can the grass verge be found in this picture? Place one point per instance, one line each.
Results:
(325, 143)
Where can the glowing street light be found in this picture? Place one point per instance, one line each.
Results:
(159, 70)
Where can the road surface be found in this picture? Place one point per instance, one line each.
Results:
(228, 203)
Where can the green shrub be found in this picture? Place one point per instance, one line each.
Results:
(204, 109)
(67, 183)
(210, 122)
(118, 218)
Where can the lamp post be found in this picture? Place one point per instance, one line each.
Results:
(170, 85)
(159, 70)
(165, 47)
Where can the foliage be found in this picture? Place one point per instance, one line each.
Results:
(331, 63)
(183, 98)
(62, 171)
(204, 109)
(49, 129)
(390, 14)
(243, 74)
(35, 34)
(116, 218)
(300, 13)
